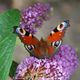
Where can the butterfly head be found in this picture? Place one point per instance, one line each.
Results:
(65, 24)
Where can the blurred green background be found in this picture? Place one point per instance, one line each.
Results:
(61, 9)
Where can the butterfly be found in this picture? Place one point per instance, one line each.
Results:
(42, 48)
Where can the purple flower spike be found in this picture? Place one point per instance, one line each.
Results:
(59, 67)
(33, 16)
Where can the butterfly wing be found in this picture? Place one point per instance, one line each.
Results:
(29, 40)
(58, 32)
(56, 36)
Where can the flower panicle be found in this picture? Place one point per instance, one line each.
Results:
(59, 67)
(33, 16)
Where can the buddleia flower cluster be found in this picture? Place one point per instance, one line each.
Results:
(59, 67)
(33, 16)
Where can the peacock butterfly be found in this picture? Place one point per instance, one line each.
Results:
(42, 48)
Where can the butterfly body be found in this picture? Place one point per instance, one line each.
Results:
(43, 48)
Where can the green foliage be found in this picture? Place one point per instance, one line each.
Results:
(8, 19)
(13, 69)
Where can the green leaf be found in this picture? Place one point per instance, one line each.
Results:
(13, 69)
(8, 19)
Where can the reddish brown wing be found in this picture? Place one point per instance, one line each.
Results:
(55, 37)
(58, 32)
(29, 40)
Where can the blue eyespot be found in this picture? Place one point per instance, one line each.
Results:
(20, 31)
